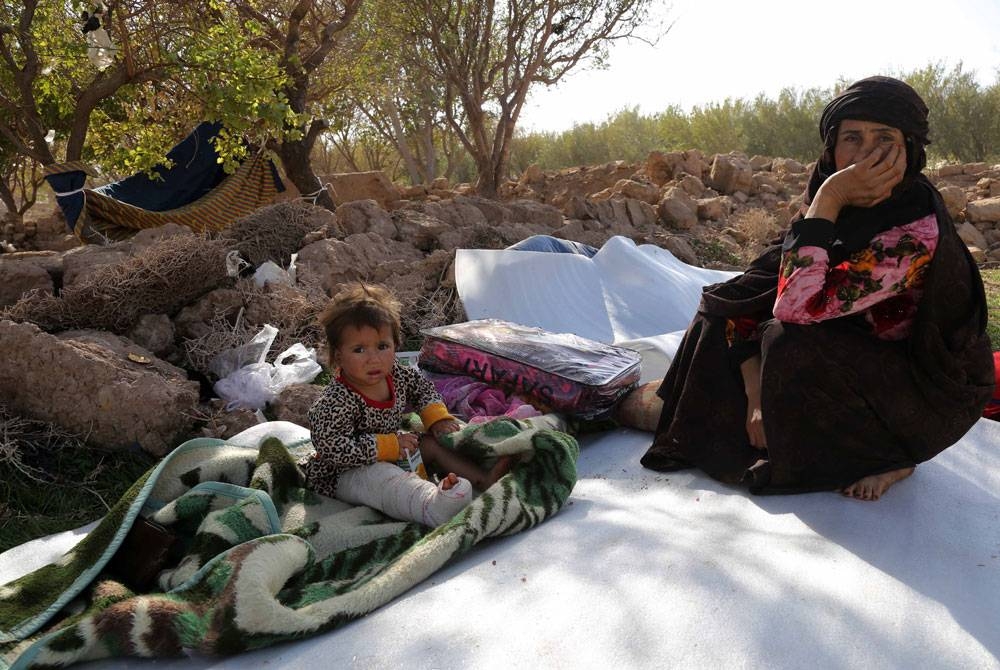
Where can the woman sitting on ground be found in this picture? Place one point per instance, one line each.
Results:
(855, 349)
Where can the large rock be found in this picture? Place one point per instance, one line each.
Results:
(87, 383)
(731, 173)
(640, 213)
(972, 236)
(197, 319)
(637, 190)
(493, 211)
(532, 212)
(677, 209)
(150, 237)
(680, 248)
(419, 229)
(329, 263)
(362, 216)
(293, 403)
(83, 262)
(620, 216)
(974, 168)
(455, 212)
(154, 332)
(987, 209)
(763, 182)
(18, 276)
(661, 166)
(479, 236)
(787, 165)
(694, 163)
(949, 170)
(617, 216)
(954, 198)
(692, 185)
(374, 185)
(715, 209)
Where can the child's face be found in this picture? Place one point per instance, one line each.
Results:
(365, 356)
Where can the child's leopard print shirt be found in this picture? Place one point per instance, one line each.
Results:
(350, 430)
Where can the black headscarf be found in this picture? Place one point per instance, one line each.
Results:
(896, 104)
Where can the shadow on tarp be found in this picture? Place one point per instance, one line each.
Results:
(936, 532)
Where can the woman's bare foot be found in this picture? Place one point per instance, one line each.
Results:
(873, 486)
(449, 481)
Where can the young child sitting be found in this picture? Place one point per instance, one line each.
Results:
(356, 422)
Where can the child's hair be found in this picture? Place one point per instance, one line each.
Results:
(359, 305)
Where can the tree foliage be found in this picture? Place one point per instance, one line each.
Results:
(489, 54)
(965, 117)
(419, 89)
(965, 126)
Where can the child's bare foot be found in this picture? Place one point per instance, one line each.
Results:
(449, 481)
(873, 486)
(499, 469)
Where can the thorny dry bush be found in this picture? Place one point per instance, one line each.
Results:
(426, 299)
(20, 437)
(442, 306)
(27, 448)
(161, 279)
(293, 311)
(273, 233)
(51, 480)
(758, 226)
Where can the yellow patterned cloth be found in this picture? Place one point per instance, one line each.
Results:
(104, 218)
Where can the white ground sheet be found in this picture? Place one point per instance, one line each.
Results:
(651, 570)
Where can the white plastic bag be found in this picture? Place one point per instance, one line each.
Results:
(254, 351)
(295, 365)
(257, 383)
(249, 387)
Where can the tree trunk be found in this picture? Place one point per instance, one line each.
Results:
(400, 140)
(486, 184)
(298, 169)
(7, 198)
(430, 153)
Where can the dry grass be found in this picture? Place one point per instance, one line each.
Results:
(159, 280)
(273, 233)
(293, 311)
(758, 226)
(51, 481)
(419, 311)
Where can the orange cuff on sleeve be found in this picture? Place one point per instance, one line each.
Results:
(433, 413)
(387, 447)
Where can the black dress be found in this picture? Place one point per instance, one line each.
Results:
(838, 403)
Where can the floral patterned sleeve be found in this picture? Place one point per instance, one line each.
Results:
(743, 337)
(888, 272)
(421, 395)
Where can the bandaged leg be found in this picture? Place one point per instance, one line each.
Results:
(403, 495)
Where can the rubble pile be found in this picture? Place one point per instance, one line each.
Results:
(113, 342)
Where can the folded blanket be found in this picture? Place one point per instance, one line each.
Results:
(475, 401)
(259, 559)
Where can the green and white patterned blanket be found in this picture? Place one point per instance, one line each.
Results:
(264, 559)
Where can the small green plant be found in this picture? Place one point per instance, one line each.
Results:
(713, 253)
